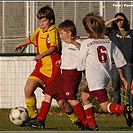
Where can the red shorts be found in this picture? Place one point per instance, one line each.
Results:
(64, 85)
(41, 78)
(100, 95)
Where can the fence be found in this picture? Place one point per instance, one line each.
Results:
(18, 18)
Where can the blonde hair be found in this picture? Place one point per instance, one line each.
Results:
(94, 25)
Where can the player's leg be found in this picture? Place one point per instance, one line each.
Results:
(49, 92)
(40, 121)
(113, 107)
(30, 98)
(65, 105)
(89, 111)
(78, 109)
(118, 109)
(105, 105)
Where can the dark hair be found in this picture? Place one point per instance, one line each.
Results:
(126, 24)
(46, 12)
(94, 25)
(68, 25)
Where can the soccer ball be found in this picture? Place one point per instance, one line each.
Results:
(18, 115)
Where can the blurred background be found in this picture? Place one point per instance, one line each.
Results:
(18, 19)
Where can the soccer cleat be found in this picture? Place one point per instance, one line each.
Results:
(36, 124)
(127, 113)
(85, 127)
(25, 122)
(94, 128)
(78, 123)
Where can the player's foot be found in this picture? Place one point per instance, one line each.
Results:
(78, 123)
(25, 122)
(94, 128)
(36, 124)
(127, 113)
(86, 127)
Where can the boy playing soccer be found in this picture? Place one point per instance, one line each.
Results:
(95, 58)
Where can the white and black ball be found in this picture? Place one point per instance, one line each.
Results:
(18, 115)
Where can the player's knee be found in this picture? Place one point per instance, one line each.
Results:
(104, 106)
(28, 93)
(62, 104)
(84, 97)
(105, 110)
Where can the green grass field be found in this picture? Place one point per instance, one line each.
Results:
(60, 122)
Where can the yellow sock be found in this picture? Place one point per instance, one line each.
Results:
(73, 117)
(31, 107)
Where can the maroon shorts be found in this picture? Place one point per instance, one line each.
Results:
(64, 85)
(100, 95)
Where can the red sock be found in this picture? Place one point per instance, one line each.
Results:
(115, 108)
(78, 108)
(43, 111)
(90, 115)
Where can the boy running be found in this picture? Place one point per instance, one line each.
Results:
(95, 58)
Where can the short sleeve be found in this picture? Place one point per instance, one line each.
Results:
(33, 37)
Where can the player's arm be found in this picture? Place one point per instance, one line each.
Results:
(21, 44)
(74, 42)
(120, 70)
(51, 50)
(81, 58)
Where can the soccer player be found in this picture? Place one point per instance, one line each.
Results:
(47, 41)
(95, 58)
(65, 84)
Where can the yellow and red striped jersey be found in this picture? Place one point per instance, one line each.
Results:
(43, 41)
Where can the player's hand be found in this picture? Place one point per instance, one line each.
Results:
(38, 57)
(68, 40)
(58, 63)
(17, 47)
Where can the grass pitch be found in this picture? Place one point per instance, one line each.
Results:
(60, 122)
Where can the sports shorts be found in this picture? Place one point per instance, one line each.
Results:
(41, 78)
(64, 85)
(100, 95)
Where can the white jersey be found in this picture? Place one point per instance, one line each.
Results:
(69, 56)
(95, 58)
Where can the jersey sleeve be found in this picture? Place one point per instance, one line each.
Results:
(82, 55)
(33, 37)
(117, 56)
(54, 38)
